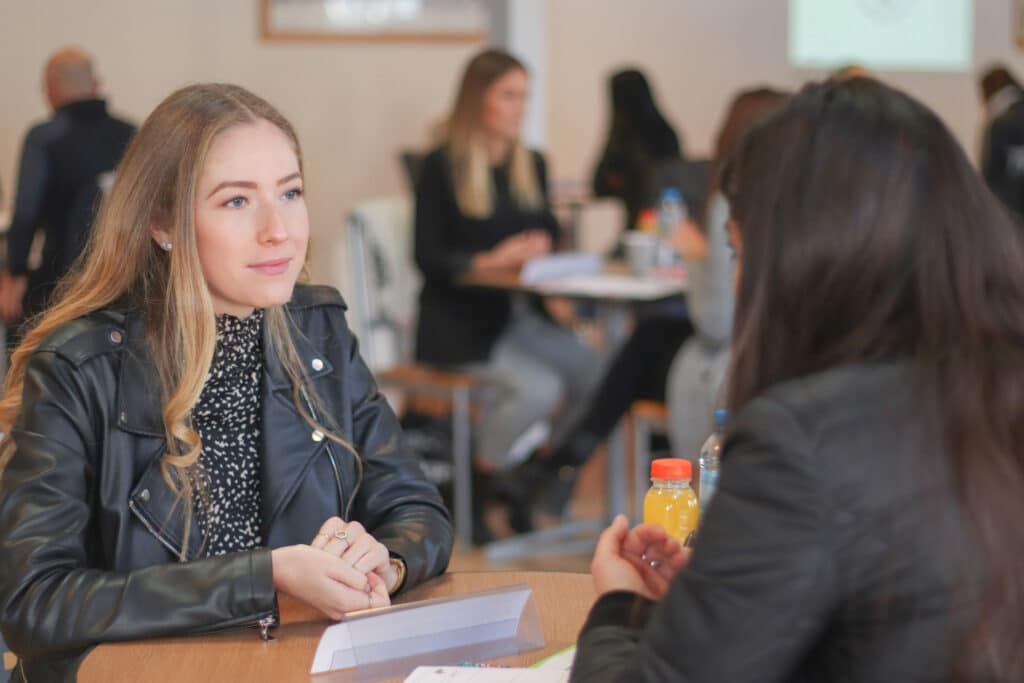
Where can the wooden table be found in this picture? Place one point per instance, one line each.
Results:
(563, 600)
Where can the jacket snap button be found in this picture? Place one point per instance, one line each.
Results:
(144, 495)
(318, 436)
(116, 337)
(123, 417)
(318, 364)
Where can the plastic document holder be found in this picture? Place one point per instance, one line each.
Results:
(392, 641)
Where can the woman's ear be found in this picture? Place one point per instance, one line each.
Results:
(161, 237)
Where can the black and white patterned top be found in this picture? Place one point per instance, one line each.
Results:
(227, 418)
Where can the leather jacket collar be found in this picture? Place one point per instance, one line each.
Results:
(139, 411)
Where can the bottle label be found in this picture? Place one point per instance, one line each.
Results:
(708, 486)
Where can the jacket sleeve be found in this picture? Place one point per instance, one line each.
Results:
(33, 178)
(55, 597)
(436, 258)
(395, 502)
(759, 587)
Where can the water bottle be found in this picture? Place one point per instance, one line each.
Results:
(710, 456)
(671, 214)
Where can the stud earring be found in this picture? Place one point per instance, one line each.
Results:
(166, 246)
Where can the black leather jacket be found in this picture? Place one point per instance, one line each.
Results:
(89, 536)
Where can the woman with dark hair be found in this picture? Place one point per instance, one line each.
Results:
(639, 139)
(867, 523)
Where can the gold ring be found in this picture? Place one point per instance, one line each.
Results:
(341, 535)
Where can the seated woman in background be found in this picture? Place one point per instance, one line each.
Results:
(640, 368)
(695, 380)
(639, 140)
(867, 521)
(184, 418)
(482, 205)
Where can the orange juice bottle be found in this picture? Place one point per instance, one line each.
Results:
(671, 502)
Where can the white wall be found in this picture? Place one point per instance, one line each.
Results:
(354, 105)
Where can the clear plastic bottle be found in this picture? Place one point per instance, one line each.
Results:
(710, 459)
(670, 501)
(671, 214)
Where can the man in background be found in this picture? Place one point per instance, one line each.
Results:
(1002, 154)
(65, 164)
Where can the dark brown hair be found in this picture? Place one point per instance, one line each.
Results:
(746, 110)
(868, 235)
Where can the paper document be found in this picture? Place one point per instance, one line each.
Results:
(469, 674)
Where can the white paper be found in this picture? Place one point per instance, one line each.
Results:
(560, 661)
(467, 674)
(561, 265)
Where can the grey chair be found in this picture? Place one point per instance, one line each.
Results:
(690, 176)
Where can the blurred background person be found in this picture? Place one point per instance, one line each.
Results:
(482, 206)
(64, 166)
(1002, 153)
(695, 383)
(639, 140)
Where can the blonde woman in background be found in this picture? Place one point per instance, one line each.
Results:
(190, 432)
(482, 205)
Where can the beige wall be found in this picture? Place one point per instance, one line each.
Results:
(698, 53)
(356, 104)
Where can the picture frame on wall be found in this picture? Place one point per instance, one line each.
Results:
(375, 20)
(1018, 23)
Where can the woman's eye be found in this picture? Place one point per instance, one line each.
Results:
(235, 202)
(294, 193)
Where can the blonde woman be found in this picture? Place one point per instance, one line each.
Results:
(190, 432)
(481, 204)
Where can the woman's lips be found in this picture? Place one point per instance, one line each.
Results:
(275, 267)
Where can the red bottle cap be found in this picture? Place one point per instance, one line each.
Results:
(671, 468)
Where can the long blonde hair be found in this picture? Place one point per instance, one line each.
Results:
(155, 186)
(462, 134)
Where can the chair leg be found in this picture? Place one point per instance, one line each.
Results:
(641, 464)
(463, 470)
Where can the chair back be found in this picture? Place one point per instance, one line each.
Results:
(689, 176)
(385, 281)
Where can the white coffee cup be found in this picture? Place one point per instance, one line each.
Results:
(641, 252)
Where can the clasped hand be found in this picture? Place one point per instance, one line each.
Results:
(344, 569)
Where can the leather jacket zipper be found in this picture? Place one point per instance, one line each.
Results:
(151, 529)
(265, 624)
(347, 513)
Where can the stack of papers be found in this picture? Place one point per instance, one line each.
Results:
(554, 669)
